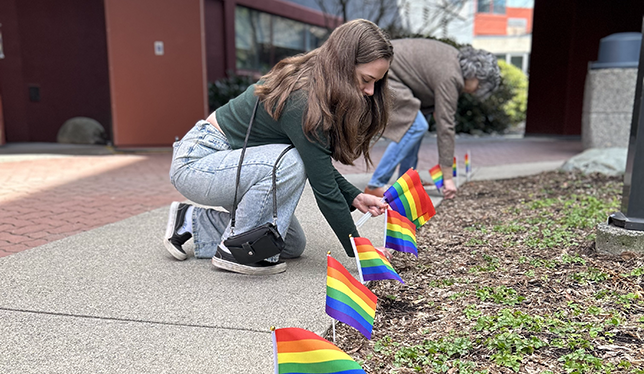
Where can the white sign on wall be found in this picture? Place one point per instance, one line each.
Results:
(158, 48)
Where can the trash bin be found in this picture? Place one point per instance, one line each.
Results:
(621, 50)
(609, 92)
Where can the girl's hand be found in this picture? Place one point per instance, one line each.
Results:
(369, 203)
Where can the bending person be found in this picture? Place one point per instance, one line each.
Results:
(329, 103)
(427, 77)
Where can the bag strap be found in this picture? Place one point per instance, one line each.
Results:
(241, 159)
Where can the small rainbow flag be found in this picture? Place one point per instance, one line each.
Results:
(468, 168)
(400, 233)
(437, 176)
(372, 264)
(347, 300)
(296, 350)
(454, 168)
(408, 197)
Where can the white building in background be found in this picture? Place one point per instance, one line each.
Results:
(504, 27)
(513, 49)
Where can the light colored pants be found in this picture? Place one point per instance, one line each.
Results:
(204, 170)
(403, 153)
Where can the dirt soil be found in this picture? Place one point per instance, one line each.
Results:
(508, 280)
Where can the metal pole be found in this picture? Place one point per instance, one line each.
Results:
(633, 193)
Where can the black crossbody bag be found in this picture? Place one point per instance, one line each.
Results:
(263, 241)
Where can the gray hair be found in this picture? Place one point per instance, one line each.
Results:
(480, 64)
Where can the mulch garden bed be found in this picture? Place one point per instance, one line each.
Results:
(508, 280)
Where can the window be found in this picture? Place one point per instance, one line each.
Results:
(517, 61)
(484, 6)
(262, 39)
(491, 6)
(517, 26)
(498, 7)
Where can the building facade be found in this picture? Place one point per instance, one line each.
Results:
(139, 68)
(504, 27)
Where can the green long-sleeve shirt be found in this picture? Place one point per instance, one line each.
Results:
(333, 194)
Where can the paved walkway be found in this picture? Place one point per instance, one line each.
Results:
(97, 293)
(46, 197)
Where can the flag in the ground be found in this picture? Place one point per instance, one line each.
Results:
(296, 350)
(348, 300)
(408, 197)
(400, 233)
(372, 264)
(437, 176)
(468, 167)
(454, 168)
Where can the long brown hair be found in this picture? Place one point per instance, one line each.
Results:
(336, 107)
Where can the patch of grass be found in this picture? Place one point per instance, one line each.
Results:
(574, 260)
(435, 354)
(500, 295)
(580, 362)
(510, 228)
(592, 275)
(491, 264)
(475, 242)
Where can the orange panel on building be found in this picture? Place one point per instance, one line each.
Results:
(525, 13)
(490, 24)
(157, 69)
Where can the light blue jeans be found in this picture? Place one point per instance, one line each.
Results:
(403, 153)
(204, 170)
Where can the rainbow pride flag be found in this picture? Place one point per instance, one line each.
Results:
(437, 176)
(468, 167)
(348, 300)
(408, 197)
(296, 350)
(372, 264)
(454, 168)
(400, 233)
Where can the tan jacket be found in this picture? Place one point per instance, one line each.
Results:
(425, 75)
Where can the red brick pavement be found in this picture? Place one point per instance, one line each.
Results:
(46, 199)
(485, 151)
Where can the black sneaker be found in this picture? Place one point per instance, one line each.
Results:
(172, 240)
(226, 261)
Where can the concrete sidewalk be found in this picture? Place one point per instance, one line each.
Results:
(112, 300)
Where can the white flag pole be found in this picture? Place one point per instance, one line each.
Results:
(366, 216)
(333, 330)
(275, 363)
(384, 237)
(355, 253)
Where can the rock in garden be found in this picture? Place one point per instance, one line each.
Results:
(608, 161)
(82, 130)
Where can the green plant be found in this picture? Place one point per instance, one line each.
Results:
(475, 242)
(500, 295)
(579, 362)
(568, 259)
(592, 275)
(487, 116)
(514, 78)
(491, 264)
(223, 90)
(471, 312)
